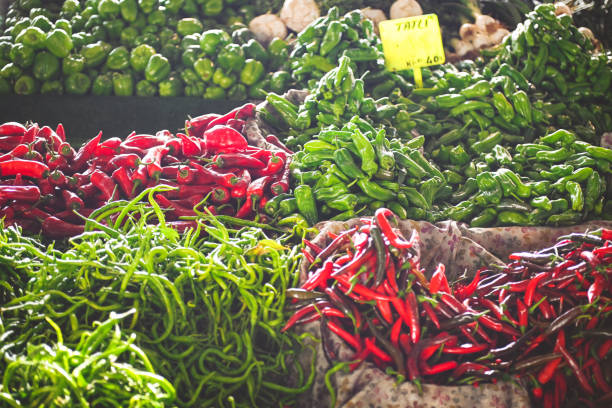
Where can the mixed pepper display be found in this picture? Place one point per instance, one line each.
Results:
(544, 317)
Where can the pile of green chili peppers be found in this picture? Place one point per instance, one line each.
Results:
(201, 313)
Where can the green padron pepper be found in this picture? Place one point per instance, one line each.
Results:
(33, 37)
(279, 81)
(252, 72)
(128, 10)
(189, 25)
(171, 87)
(490, 190)
(46, 65)
(22, 55)
(95, 53)
(205, 68)
(77, 83)
(102, 85)
(212, 8)
(59, 43)
(231, 58)
(147, 6)
(73, 63)
(157, 69)
(118, 59)
(222, 79)
(145, 88)
(123, 84)
(211, 40)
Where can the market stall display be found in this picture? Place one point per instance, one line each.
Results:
(347, 237)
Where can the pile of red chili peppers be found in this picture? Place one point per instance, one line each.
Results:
(544, 318)
(43, 180)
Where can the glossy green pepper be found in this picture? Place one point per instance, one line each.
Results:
(258, 90)
(77, 83)
(205, 68)
(231, 58)
(222, 79)
(189, 25)
(157, 69)
(118, 59)
(102, 85)
(46, 65)
(189, 76)
(195, 89)
(171, 87)
(128, 10)
(70, 8)
(73, 63)
(211, 40)
(123, 84)
(174, 6)
(147, 6)
(59, 43)
(145, 88)
(10, 71)
(237, 92)
(214, 92)
(114, 28)
(22, 55)
(491, 190)
(64, 25)
(278, 52)
(33, 37)
(95, 53)
(25, 85)
(212, 8)
(252, 72)
(53, 87)
(140, 56)
(108, 9)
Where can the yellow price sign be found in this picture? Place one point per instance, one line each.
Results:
(412, 42)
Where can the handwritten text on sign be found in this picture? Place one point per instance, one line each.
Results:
(411, 42)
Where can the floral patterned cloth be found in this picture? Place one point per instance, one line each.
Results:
(463, 250)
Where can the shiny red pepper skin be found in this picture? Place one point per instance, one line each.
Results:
(222, 138)
(59, 130)
(255, 190)
(72, 200)
(237, 160)
(85, 153)
(383, 223)
(20, 193)
(104, 183)
(55, 228)
(122, 177)
(242, 112)
(27, 168)
(275, 164)
(18, 152)
(12, 129)
(197, 125)
(189, 146)
(174, 207)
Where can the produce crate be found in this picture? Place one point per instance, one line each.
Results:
(84, 116)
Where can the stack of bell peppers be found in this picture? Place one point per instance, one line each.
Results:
(47, 185)
(545, 317)
(144, 48)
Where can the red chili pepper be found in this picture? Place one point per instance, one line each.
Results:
(72, 200)
(282, 185)
(104, 183)
(383, 223)
(197, 125)
(600, 381)
(56, 161)
(238, 192)
(317, 249)
(538, 393)
(431, 314)
(27, 168)
(576, 369)
(9, 142)
(255, 190)
(319, 277)
(237, 159)
(468, 290)
(523, 314)
(307, 255)
(30, 135)
(385, 310)
(359, 358)
(605, 347)
(438, 282)
(532, 285)
(17, 152)
(596, 288)
(274, 165)
(360, 289)
(375, 350)
(175, 208)
(57, 178)
(185, 175)
(357, 262)
(237, 124)
(59, 130)
(439, 368)
(20, 193)
(129, 160)
(52, 139)
(223, 139)
(145, 141)
(55, 228)
(242, 112)
(122, 176)
(353, 340)
(468, 367)
(170, 171)
(85, 153)
(519, 286)
(12, 129)
(452, 302)
(152, 160)
(465, 349)
(208, 175)
(273, 140)
(87, 191)
(110, 147)
(412, 310)
(189, 146)
(34, 156)
(18, 181)
(395, 332)
(66, 150)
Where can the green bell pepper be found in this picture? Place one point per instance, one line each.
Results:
(64, 25)
(171, 87)
(157, 18)
(279, 81)
(114, 28)
(54, 87)
(205, 68)
(73, 63)
(147, 6)
(222, 79)
(237, 92)
(145, 88)
(172, 52)
(157, 69)
(231, 58)
(253, 49)
(195, 89)
(253, 70)
(70, 8)
(214, 92)
(123, 84)
(128, 10)
(212, 8)
(108, 9)
(10, 71)
(278, 51)
(174, 6)
(95, 53)
(190, 55)
(118, 59)
(210, 40)
(189, 25)
(22, 55)
(33, 37)
(77, 83)
(25, 85)
(46, 65)
(191, 40)
(140, 56)
(102, 85)
(59, 43)
(189, 76)
(258, 90)
(128, 37)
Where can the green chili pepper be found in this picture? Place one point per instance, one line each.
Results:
(576, 195)
(372, 189)
(503, 106)
(306, 203)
